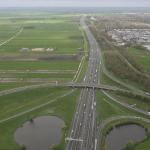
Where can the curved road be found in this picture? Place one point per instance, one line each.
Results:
(35, 108)
(127, 106)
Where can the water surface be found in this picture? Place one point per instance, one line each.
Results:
(40, 134)
(120, 136)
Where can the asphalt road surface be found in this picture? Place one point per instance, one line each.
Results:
(84, 130)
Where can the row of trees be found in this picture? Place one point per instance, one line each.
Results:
(115, 64)
(121, 69)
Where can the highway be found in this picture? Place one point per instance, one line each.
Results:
(83, 134)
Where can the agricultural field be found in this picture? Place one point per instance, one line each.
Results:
(57, 34)
(11, 85)
(42, 46)
(38, 49)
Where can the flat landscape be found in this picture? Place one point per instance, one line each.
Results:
(33, 47)
(35, 51)
(79, 69)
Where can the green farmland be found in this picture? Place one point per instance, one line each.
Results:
(22, 64)
(48, 67)
(6, 86)
(142, 56)
(29, 44)
(37, 65)
(62, 35)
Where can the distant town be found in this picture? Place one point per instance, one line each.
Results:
(125, 36)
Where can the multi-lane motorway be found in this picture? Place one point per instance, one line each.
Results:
(83, 134)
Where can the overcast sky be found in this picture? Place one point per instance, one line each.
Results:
(81, 3)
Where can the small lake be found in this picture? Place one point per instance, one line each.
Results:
(120, 136)
(40, 134)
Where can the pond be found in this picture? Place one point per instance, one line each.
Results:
(120, 136)
(40, 134)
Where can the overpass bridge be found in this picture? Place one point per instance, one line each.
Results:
(102, 87)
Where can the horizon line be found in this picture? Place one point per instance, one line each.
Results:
(75, 6)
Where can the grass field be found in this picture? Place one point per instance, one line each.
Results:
(61, 34)
(37, 30)
(141, 104)
(6, 86)
(143, 146)
(142, 56)
(37, 75)
(22, 70)
(63, 108)
(107, 108)
(29, 99)
(7, 31)
(39, 65)
(106, 80)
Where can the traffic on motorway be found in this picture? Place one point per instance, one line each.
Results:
(84, 130)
